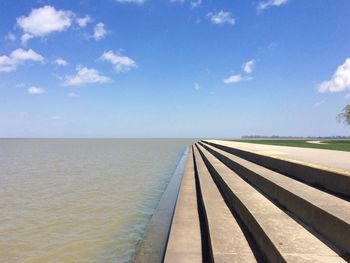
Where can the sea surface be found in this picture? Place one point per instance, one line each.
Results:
(80, 200)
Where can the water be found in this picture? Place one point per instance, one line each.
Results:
(86, 200)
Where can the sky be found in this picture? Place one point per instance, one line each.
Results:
(173, 68)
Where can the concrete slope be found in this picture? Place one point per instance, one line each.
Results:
(228, 242)
(184, 243)
(335, 160)
(279, 237)
(151, 248)
(306, 168)
(327, 214)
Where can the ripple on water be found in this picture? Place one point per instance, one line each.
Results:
(80, 200)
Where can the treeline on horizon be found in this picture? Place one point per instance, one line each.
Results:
(296, 137)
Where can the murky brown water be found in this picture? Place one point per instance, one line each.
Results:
(80, 200)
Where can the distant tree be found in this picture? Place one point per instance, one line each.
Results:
(344, 116)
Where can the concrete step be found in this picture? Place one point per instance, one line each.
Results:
(325, 213)
(228, 242)
(323, 178)
(185, 243)
(280, 238)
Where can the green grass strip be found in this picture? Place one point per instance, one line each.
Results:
(328, 144)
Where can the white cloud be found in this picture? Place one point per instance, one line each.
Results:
(73, 95)
(25, 38)
(222, 17)
(23, 55)
(83, 21)
(269, 3)
(248, 67)
(196, 3)
(10, 36)
(18, 57)
(61, 62)
(99, 31)
(340, 80)
(235, 79)
(44, 21)
(84, 76)
(36, 90)
(131, 1)
(121, 63)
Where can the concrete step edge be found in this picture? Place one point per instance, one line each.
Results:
(330, 227)
(265, 245)
(228, 240)
(152, 246)
(324, 179)
(270, 247)
(184, 242)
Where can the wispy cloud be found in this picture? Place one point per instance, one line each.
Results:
(44, 21)
(248, 67)
(18, 57)
(20, 85)
(73, 95)
(232, 79)
(221, 17)
(10, 36)
(120, 62)
(193, 3)
(130, 1)
(83, 21)
(55, 118)
(340, 80)
(196, 3)
(35, 90)
(85, 76)
(177, 1)
(269, 3)
(99, 31)
(25, 38)
(61, 62)
(196, 86)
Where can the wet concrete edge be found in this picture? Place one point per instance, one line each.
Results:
(153, 245)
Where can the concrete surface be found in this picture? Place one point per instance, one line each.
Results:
(328, 179)
(328, 159)
(278, 235)
(227, 239)
(326, 213)
(241, 202)
(184, 244)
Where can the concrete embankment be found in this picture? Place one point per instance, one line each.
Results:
(235, 206)
(336, 181)
(153, 245)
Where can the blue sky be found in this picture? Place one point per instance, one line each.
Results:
(172, 68)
